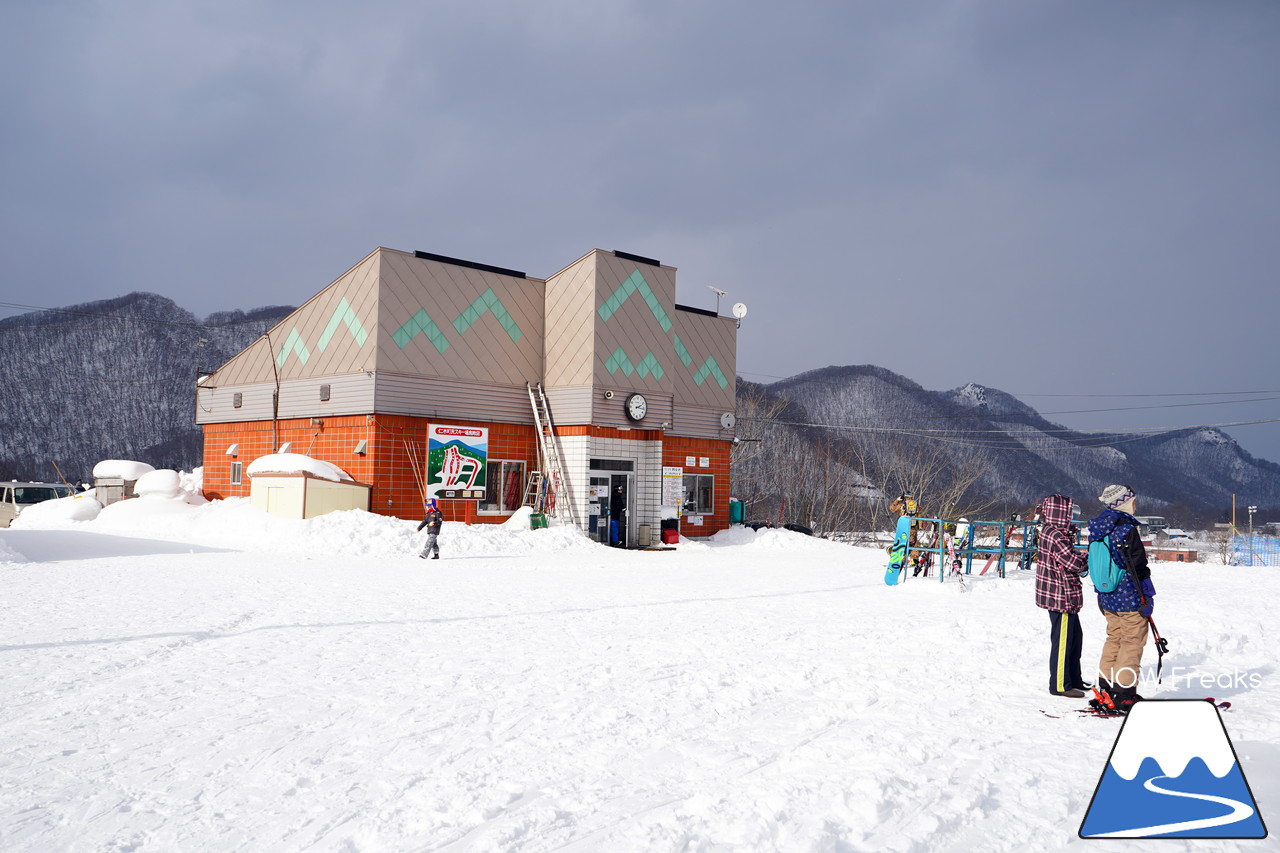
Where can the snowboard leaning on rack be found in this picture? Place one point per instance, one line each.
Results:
(898, 551)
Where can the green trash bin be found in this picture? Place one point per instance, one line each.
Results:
(538, 521)
(735, 512)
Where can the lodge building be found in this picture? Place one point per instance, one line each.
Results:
(638, 391)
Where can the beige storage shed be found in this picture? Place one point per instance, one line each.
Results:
(304, 495)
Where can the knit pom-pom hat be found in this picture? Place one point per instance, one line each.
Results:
(1115, 495)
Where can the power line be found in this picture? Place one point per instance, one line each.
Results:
(976, 414)
(971, 437)
(1177, 394)
(1164, 406)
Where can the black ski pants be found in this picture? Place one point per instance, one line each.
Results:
(1065, 644)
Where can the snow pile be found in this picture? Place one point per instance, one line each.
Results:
(120, 469)
(160, 492)
(193, 484)
(776, 539)
(165, 513)
(159, 485)
(297, 463)
(59, 512)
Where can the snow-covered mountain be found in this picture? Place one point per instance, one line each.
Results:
(1028, 456)
(91, 381)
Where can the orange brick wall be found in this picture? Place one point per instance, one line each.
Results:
(388, 464)
(674, 451)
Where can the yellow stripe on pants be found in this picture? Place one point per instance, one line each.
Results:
(1062, 653)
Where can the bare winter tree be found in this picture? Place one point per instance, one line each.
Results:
(939, 473)
(837, 481)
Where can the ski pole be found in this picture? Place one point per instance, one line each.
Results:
(1162, 647)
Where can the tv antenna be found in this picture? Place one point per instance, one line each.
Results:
(718, 292)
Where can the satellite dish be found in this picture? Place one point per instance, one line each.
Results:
(727, 420)
(739, 310)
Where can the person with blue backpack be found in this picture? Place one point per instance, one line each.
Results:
(1120, 575)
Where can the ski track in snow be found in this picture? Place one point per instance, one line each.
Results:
(716, 698)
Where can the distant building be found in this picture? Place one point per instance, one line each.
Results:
(1149, 524)
(640, 389)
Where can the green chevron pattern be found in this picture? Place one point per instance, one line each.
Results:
(293, 344)
(421, 323)
(683, 352)
(635, 283)
(343, 314)
(649, 365)
(710, 368)
(488, 301)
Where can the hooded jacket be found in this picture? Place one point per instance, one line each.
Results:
(1127, 551)
(1058, 564)
(432, 522)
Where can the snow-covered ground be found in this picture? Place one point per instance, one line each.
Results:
(209, 678)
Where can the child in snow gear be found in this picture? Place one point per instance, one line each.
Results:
(1128, 607)
(432, 522)
(1058, 589)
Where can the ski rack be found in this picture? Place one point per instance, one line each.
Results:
(1001, 554)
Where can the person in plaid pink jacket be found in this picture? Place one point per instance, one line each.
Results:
(1059, 567)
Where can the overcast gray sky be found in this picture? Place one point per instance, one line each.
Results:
(1042, 197)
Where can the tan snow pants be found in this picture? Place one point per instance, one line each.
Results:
(1121, 662)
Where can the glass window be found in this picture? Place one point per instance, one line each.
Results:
(698, 494)
(504, 484)
(611, 465)
(34, 494)
(237, 473)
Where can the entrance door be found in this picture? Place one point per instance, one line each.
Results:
(613, 482)
(619, 498)
(600, 507)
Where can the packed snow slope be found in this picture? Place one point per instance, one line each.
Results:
(209, 678)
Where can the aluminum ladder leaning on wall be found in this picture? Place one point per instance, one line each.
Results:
(549, 458)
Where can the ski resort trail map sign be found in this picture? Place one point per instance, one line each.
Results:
(457, 458)
(1173, 773)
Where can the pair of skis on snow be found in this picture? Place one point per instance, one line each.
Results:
(1093, 712)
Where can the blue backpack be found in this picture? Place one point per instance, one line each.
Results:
(1104, 572)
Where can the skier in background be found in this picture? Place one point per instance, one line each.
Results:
(1059, 567)
(432, 522)
(1128, 609)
